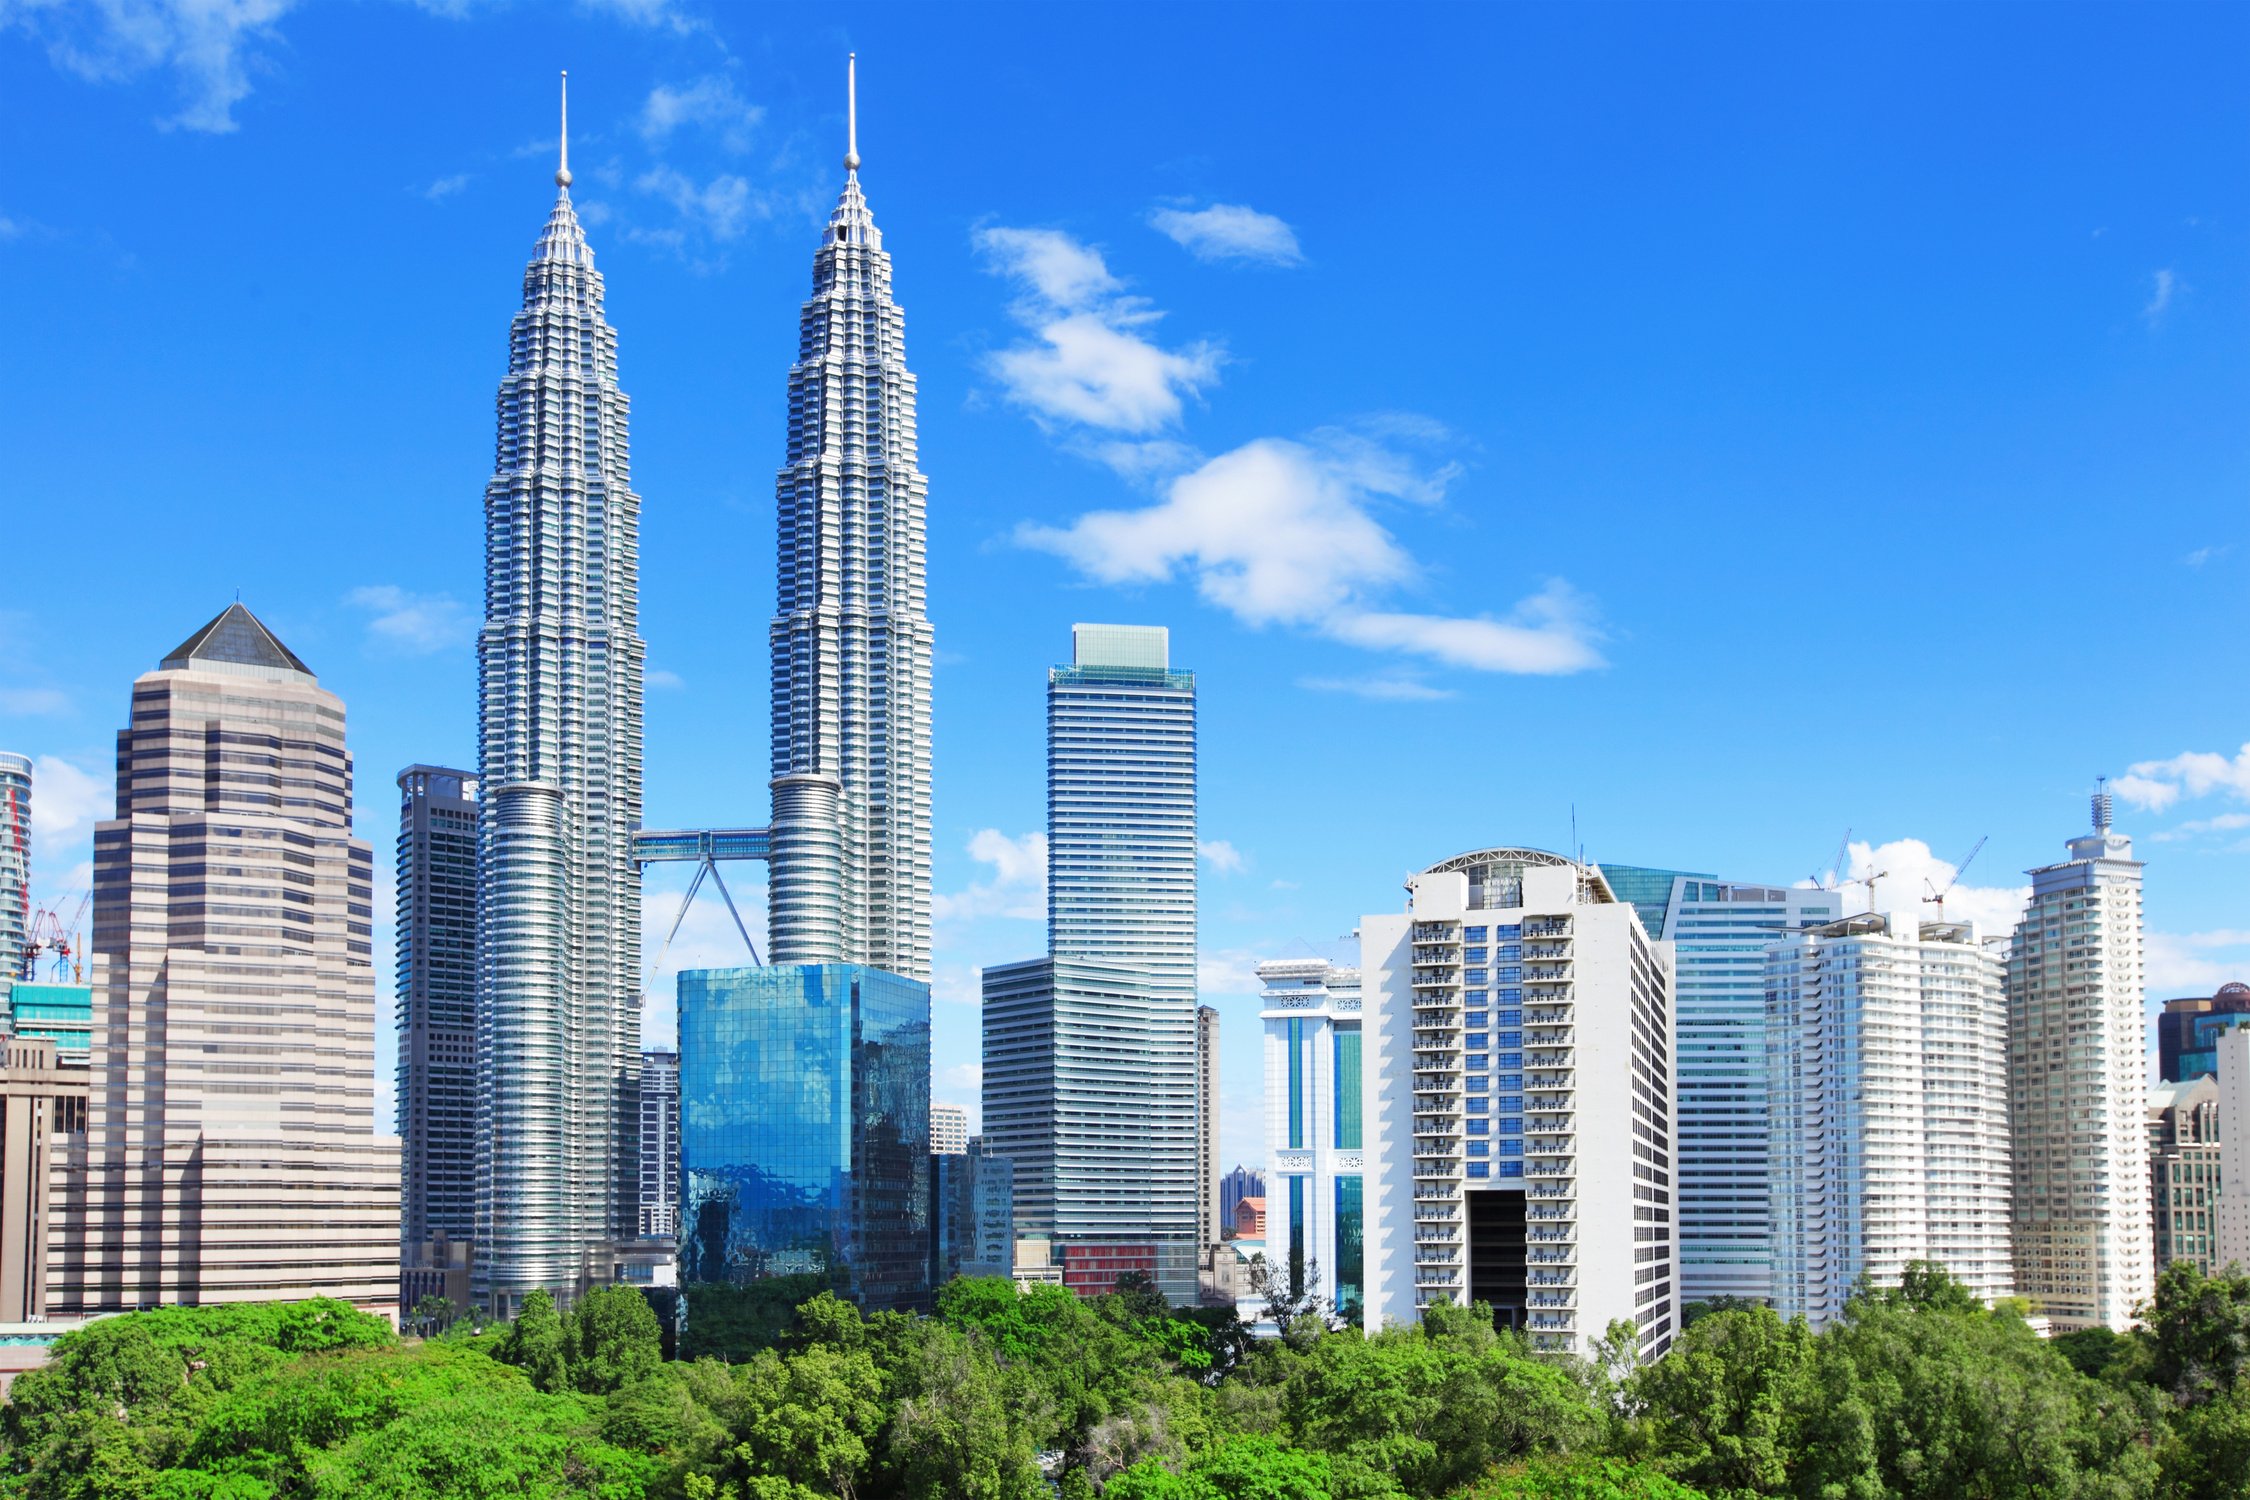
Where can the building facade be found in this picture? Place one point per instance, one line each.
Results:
(2187, 1032)
(1316, 1131)
(805, 1129)
(1719, 931)
(560, 669)
(1519, 1103)
(2233, 1080)
(435, 981)
(949, 1130)
(660, 1145)
(231, 1151)
(1207, 1126)
(15, 863)
(1090, 1079)
(1240, 1183)
(42, 1109)
(2078, 1094)
(2183, 1172)
(1889, 1107)
(61, 1013)
(850, 638)
(972, 1217)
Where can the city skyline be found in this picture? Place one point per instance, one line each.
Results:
(1941, 765)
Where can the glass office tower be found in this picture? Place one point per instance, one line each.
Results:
(1316, 1140)
(805, 1129)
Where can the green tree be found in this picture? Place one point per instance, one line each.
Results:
(431, 1316)
(1579, 1478)
(2206, 1451)
(955, 1435)
(806, 1418)
(1725, 1407)
(509, 1442)
(729, 1321)
(537, 1344)
(614, 1340)
(2198, 1332)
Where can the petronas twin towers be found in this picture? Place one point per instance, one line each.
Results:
(560, 666)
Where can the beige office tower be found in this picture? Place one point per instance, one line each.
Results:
(231, 1152)
(1206, 1126)
(2078, 1087)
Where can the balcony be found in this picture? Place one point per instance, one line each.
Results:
(1546, 927)
(1550, 1279)
(1550, 1236)
(1549, 1299)
(1436, 979)
(1551, 1213)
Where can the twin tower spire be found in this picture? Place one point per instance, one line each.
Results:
(561, 671)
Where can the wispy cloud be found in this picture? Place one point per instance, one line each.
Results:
(2154, 785)
(211, 47)
(721, 208)
(1017, 887)
(412, 624)
(1283, 533)
(711, 103)
(1389, 688)
(2195, 963)
(2223, 823)
(663, 680)
(446, 187)
(1221, 856)
(2162, 284)
(1230, 232)
(1093, 363)
(2202, 555)
(34, 701)
(65, 803)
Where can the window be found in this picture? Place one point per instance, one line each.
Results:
(1480, 1127)
(1474, 956)
(1479, 976)
(1479, 1060)
(1347, 1086)
(1475, 1039)
(1512, 930)
(1476, 934)
(1509, 1039)
(1480, 1169)
(1511, 1104)
(1476, 1104)
(1297, 1230)
(1511, 1059)
(1511, 1148)
(1296, 1083)
(1511, 1124)
(1476, 1018)
(1477, 1082)
(1480, 1148)
(1509, 1016)
(1351, 1242)
(1511, 1169)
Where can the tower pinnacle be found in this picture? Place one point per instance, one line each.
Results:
(562, 172)
(851, 112)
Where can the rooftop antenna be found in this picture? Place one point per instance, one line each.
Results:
(2103, 807)
(851, 112)
(562, 172)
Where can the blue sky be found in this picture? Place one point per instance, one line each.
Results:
(1735, 425)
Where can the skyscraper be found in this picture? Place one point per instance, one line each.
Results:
(1090, 1053)
(1206, 1126)
(2183, 1171)
(559, 670)
(231, 1153)
(660, 1144)
(949, 1129)
(1316, 1141)
(850, 636)
(436, 991)
(1518, 1103)
(1886, 1082)
(2187, 1031)
(1719, 931)
(2078, 1087)
(15, 865)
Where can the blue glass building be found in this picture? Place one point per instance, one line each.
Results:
(62, 1013)
(805, 1129)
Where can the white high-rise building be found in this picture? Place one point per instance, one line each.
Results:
(1719, 931)
(230, 1152)
(850, 638)
(1316, 1129)
(1090, 1053)
(559, 668)
(1888, 1093)
(2233, 1048)
(15, 865)
(1519, 1103)
(1206, 1126)
(949, 1130)
(2078, 1092)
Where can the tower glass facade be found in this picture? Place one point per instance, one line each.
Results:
(1719, 932)
(2078, 1087)
(1315, 1126)
(436, 989)
(559, 667)
(850, 638)
(805, 1129)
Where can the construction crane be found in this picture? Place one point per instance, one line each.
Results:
(48, 934)
(1832, 878)
(1930, 888)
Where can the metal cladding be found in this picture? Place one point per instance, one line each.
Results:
(850, 636)
(560, 667)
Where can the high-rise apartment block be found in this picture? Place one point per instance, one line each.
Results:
(949, 1130)
(2233, 1079)
(660, 1145)
(1207, 1126)
(850, 638)
(1888, 1093)
(2078, 1090)
(805, 1129)
(1316, 1130)
(231, 1153)
(2183, 1172)
(1719, 931)
(436, 986)
(2187, 1032)
(15, 865)
(1519, 1103)
(1090, 1053)
(560, 667)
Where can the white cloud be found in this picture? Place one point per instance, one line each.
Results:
(957, 984)
(34, 701)
(721, 208)
(2223, 823)
(965, 1075)
(1221, 856)
(1389, 687)
(1092, 365)
(2154, 785)
(1230, 231)
(210, 46)
(446, 187)
(1227, 971)
(664, 680)
(1018, 887)
(710, 103)
(65, 803)
(2202, 555)
(412, 624)
(2161, 286)
(1281, 532)
(707, 938)
(1905, 872)
(2195, 963)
